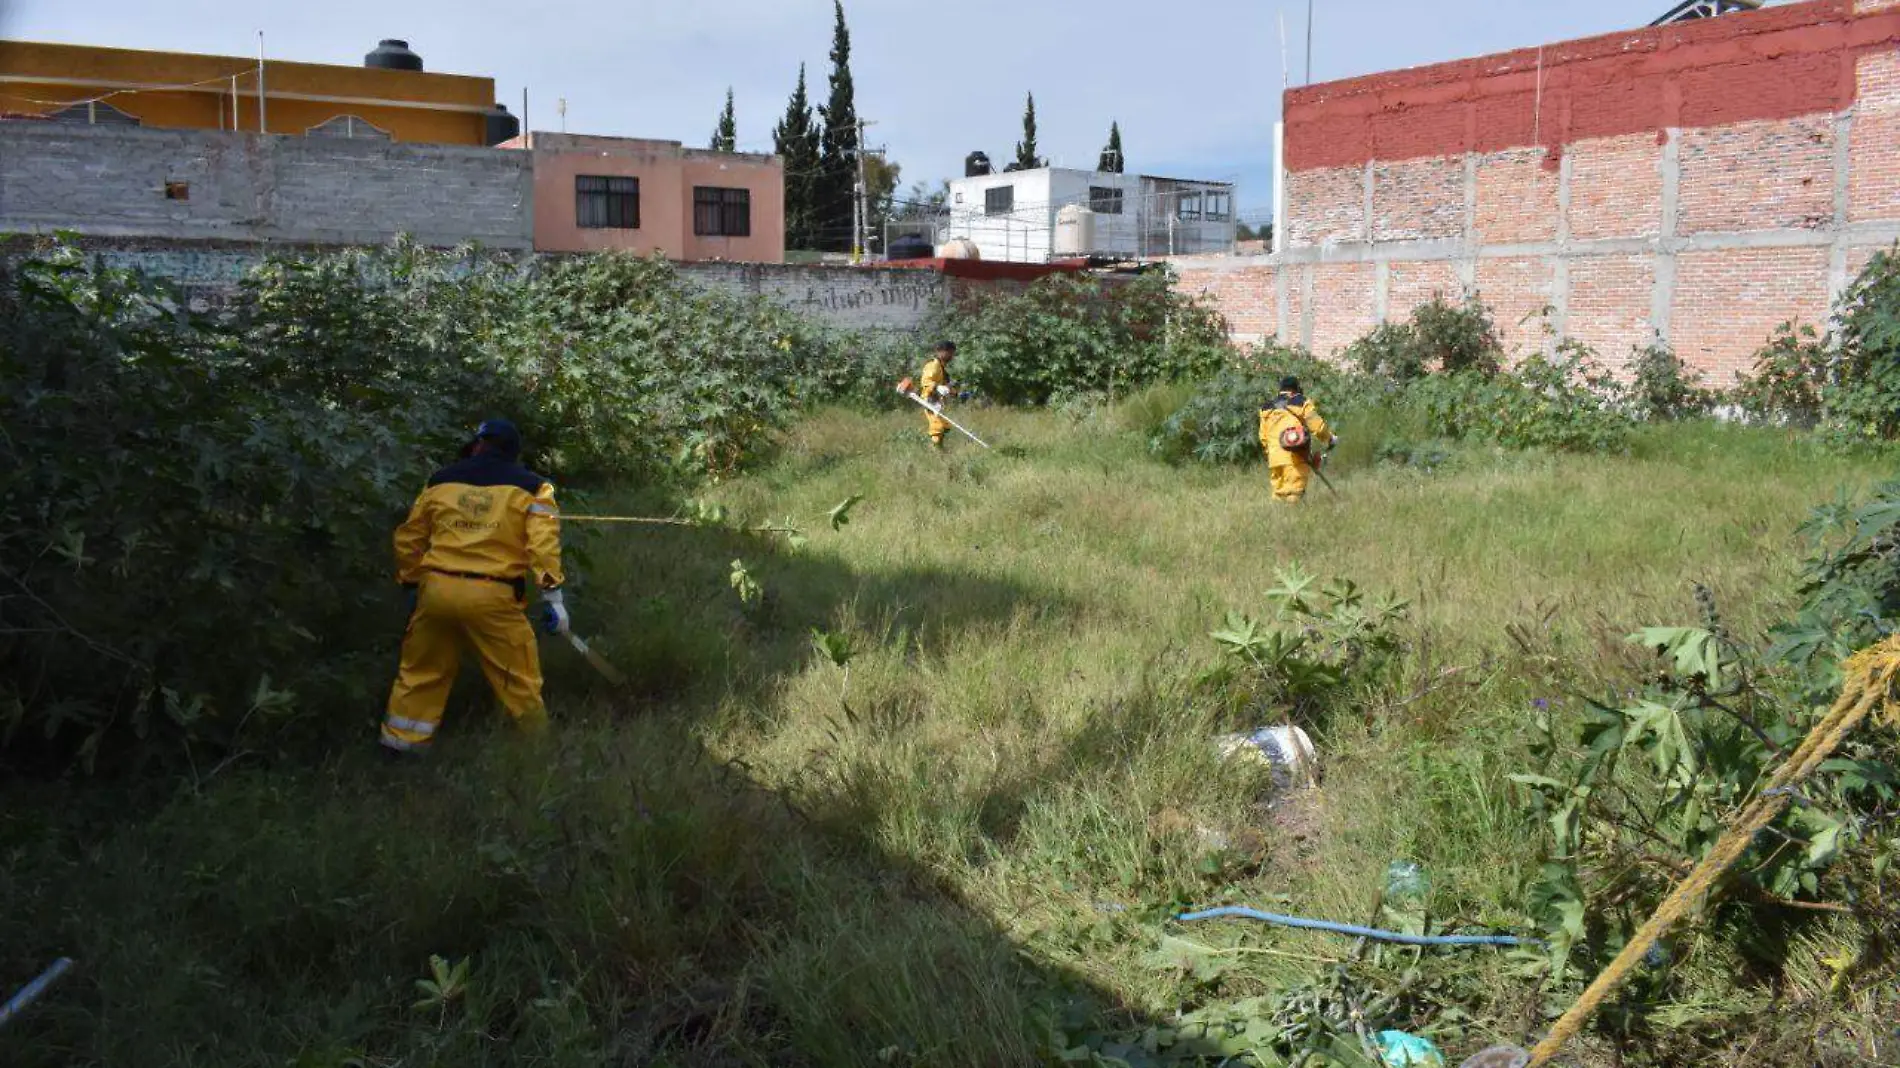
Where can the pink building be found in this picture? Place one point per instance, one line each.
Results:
(593, 194)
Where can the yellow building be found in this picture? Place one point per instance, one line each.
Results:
(389, 96)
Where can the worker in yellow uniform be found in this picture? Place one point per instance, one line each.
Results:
(1290, 429)
(483, 530)
(934, 386)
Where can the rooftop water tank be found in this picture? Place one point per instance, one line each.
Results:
(391, 54)
(498, 125)
(959, 248)
(976, 165)
(1075, 232)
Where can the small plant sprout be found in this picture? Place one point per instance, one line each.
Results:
(446, 983)
(745, 585)
(836, 647)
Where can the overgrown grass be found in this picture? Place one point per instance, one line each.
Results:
(964, 851)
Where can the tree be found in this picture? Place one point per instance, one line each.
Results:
(797, 140)
(725, 136)
(838, 162)
(923, 202)
(880, 194)
(1112, 159)
(1026, 157)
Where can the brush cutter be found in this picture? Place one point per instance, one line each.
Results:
(937, 410)
(600, 664)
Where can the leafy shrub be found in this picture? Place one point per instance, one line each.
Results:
(1440, 337)
(1457, 337)
(1863, 401)
(1657, 778)
(1662, 387)
(1561, 402)
(197, 513)
(1326, 646)
(1789, 376)
(1071, 333)
(1220, 420)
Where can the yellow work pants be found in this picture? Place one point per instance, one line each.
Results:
(451, 611)
(1289, 481)
(937, 425)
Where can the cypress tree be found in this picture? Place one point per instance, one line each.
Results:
(725, 136)
(1026, 157)
(796, 140)
(838, 162)
(1112, 159)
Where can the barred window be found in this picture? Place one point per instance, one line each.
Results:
(1218, 209)
(1105, 200)
(722, 212)
(999, 201)
(606, 203)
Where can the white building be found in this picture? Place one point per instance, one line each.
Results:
(1012, 216)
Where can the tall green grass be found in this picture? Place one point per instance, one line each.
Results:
(750, 858)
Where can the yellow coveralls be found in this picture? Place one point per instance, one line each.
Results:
(1291, 470)
(481, 530)
(934, 376)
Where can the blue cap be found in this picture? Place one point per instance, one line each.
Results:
(502, 434)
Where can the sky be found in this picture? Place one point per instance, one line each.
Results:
(1195, 86)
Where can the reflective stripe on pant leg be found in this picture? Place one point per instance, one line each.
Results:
(431, 654)
(504, 641)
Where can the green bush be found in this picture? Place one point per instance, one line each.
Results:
(195, 548)
(1562, 402)
(1220, 420)
(1662, 387)
(1440, 337)
(1788, 379)
(1845, 383)
(1072, 334)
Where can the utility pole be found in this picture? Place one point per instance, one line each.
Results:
(1309, 42)
(860, 204)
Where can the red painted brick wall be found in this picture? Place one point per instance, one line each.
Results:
(1874, 161)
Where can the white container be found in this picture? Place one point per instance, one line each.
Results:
(1287, 750)
(959, 248)
(1075, 232)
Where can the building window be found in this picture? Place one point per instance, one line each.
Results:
(1105, 200)
(721, 212)
(999, 201)
(177, 190)
(604, 203)
(1218, 209)
(1188, 208)
(349, 127)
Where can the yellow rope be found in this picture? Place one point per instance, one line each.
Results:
(1868, 680)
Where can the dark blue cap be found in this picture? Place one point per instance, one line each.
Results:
(502, 434)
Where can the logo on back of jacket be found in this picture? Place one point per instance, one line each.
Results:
(477, 507)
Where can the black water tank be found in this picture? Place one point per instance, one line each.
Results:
(392, 54)
(911, 247)
(976, 165)
(498, 125)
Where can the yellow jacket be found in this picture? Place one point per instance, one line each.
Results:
(934, 376)
(1291, 410)
(483, 516)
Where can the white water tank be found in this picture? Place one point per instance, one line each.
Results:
(1075, 232)
(959, 248)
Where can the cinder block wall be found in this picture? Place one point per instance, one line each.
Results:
(1698, 183)
(112, 181)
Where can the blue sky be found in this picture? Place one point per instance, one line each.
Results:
(1195, 85)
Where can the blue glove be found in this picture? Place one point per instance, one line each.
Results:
(409, 593)
(554, 613)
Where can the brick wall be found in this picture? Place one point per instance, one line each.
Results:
(1698, 183)
(112, 180)
(848, 298)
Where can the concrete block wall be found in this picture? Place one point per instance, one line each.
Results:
(1699, 183)
(112, 181)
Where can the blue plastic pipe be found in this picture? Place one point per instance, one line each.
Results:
(1356, 931)
(31, 991)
